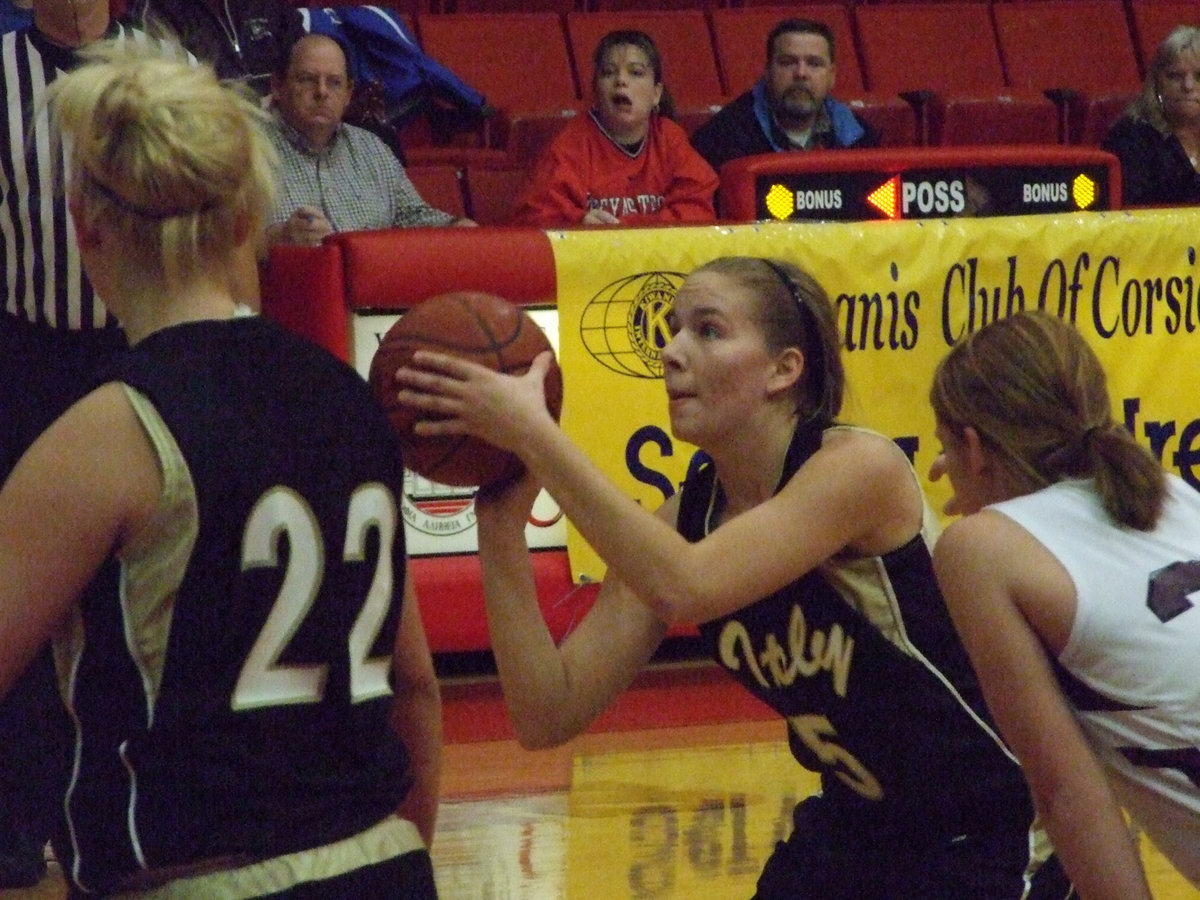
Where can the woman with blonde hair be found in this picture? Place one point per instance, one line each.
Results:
(1071, 580)
(1157, 139)
(219, 563)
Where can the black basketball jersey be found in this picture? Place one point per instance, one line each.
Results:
(861, 658)
(230, 673)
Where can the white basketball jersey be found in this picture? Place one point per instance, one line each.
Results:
(1133, 658)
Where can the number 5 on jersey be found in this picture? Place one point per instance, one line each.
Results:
(816, 733)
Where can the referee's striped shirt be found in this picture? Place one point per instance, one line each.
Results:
(43, 279)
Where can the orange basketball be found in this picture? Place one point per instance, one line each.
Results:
(480, 327)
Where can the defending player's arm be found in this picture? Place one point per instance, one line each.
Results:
(553, 692)
(417, 716)
(1069, 788)
(84, 487)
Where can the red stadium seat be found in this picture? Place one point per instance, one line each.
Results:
(691, 119)
(493, 192)
(561, 7)
(943, 57)
(1153, 20)
(530, 133)
(639, 5)
(1080, 51)
(440, 186)
(684, 43)
(740, 37)
(797, 9)
(518, 60)
(906, 47)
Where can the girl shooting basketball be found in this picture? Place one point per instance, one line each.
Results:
(802, 552)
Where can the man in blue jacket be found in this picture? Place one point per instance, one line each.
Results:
(789, 108)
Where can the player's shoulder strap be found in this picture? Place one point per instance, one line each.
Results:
(701, 494)
(695, 498)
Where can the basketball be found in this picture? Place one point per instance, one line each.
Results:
(480, 327)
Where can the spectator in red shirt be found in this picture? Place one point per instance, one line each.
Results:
(625, 162)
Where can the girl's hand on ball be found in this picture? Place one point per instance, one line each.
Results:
(463, 397)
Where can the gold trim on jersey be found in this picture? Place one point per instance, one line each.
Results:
(155, 560)
(389, 839)
(152, 566)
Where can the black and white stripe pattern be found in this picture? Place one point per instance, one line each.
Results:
(43, 278)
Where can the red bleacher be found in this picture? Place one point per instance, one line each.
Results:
(440, 184)
(1080, 51)
(961, 96)
(520, 62)
(1152, 20)
(925, 72)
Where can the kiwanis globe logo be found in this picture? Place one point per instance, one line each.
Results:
(624, 327)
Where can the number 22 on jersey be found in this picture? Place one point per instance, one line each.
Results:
(263, 681)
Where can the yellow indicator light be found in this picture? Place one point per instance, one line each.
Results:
(886, 197)
(1083, 190)
(781, 202)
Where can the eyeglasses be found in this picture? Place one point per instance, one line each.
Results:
(312, 82)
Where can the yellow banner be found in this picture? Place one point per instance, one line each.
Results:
(905, 292)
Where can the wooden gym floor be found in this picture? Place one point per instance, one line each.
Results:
(679, 792)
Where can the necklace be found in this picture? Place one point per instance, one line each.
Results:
(630, 150)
